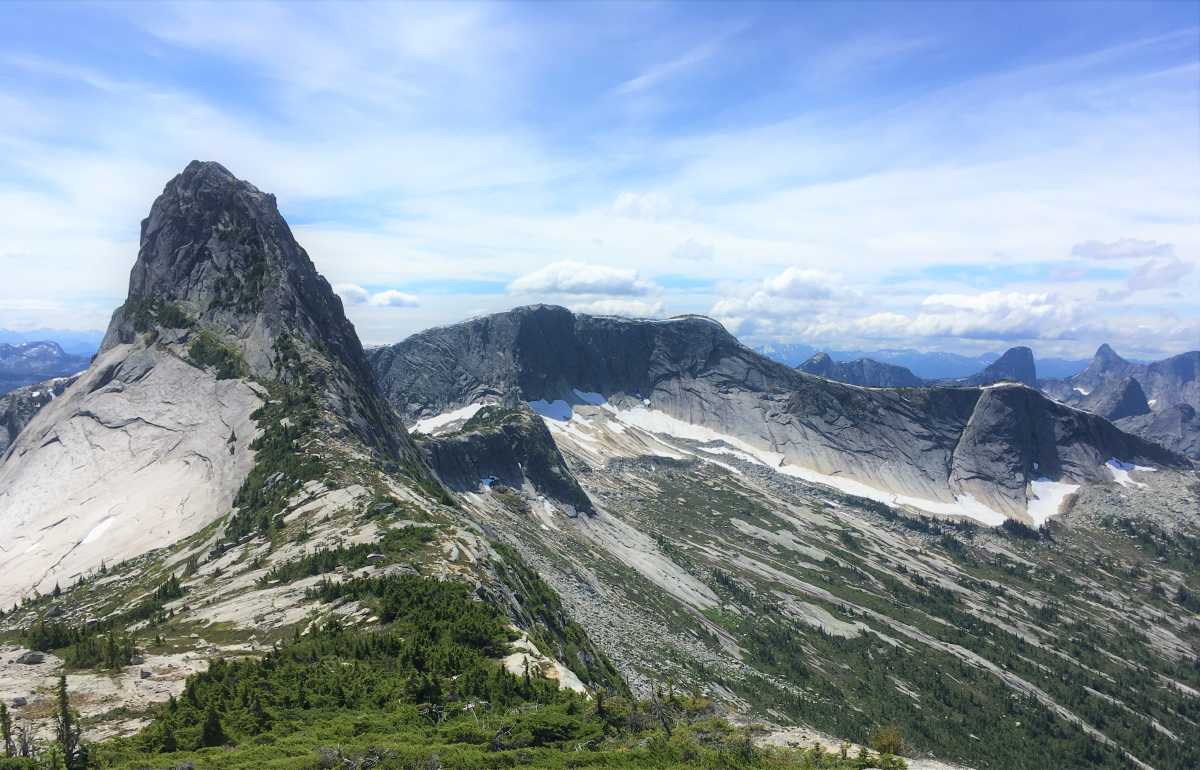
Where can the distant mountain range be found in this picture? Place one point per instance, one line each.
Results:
(926, 365)
(31, 362)
(75, 343)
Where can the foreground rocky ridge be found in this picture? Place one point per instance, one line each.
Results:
(938, 445)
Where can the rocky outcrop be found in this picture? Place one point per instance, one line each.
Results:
(509, 447)
(863, 371)
(932, 443)
(1016, 365)
(18, 407)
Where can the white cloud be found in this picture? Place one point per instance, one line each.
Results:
(631, 308)
(788, 294)
(351, 293)
(651, 206)
(693, 250)
(581, 278)
(802, 283)
(393, 298)
(1125, 248)
(1159, 273)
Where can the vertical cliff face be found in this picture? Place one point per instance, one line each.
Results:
(225, 312)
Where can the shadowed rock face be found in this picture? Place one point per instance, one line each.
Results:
(512, 446)
(933, 443)
(863, 371)
(1125, 399)
(1016, 365)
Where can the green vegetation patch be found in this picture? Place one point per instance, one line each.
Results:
(207, 351)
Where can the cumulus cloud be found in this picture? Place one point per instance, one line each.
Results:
(993, 315)
(1124, 248)
(632, 308)
(393, 298)
(351, 293)
(784, 295)
(582, 278)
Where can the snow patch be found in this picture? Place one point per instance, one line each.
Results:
(1082, 391)
(659, 422)
(98, 530)
(1120, 472)
(431, 424)
(1047, 498)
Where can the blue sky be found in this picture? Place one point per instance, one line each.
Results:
(945, 176)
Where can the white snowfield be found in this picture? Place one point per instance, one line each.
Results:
(142, 450)
(432, 425)
(593, 425)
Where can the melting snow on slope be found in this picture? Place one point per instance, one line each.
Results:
(431, 424)
(1120, 472)
(659, 422)
(1047, 498)
(97, 530)
(1082, 391)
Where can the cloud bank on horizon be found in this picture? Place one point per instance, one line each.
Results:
(958, 177)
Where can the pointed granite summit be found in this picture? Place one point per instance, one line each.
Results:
(228, 381)
(1016, 365)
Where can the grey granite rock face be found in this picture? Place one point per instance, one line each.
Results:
(863, 371)
(931, 442)
(1016, 365)
(1105, 388)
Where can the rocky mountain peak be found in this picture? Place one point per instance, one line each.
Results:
(1016, 365)
(216, 253)
(1105, 354)
(217, 257)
